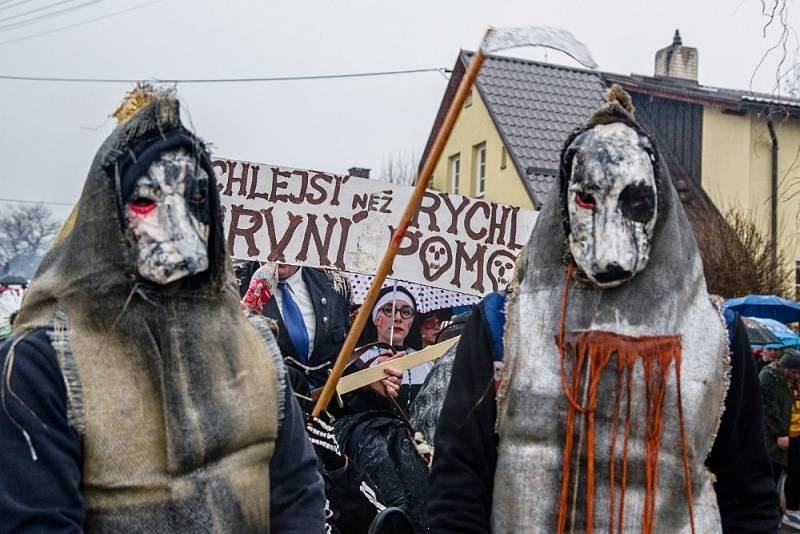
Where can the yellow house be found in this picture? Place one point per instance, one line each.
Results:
(735, 147)
(477, 161)
(505, 145)
(739, 170)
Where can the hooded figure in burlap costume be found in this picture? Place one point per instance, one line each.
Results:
(611, 369)
(136, 394)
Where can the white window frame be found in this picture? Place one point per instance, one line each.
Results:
(480, 170)
(455, 172)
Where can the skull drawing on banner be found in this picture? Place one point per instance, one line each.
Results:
(611, 203)
(436, 258)
(500, 269)
(436, 252)
(168, 216)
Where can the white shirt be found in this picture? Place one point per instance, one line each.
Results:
(303, 299)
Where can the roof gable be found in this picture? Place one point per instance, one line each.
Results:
(534, 107)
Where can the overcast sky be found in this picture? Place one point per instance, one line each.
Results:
(49, 132)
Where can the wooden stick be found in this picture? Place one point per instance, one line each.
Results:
(412, 207)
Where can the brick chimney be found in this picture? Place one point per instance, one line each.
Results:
(677, 61)
(358, 172)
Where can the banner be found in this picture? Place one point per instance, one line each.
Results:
(321, 219)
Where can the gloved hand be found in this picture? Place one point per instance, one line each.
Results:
(257, 295)
(325, 445)
(262, 284)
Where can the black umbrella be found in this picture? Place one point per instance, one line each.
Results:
(759, 334)
(13, 280)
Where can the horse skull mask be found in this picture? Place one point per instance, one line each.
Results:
(611, 203)
(168, 217)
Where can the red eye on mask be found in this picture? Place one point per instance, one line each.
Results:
(584, 200)
(142, 206)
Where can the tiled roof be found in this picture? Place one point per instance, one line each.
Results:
(690, 91)
(535, 106)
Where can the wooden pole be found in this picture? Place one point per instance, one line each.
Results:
(412, 207)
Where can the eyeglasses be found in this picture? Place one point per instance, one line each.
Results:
(406, 312)
(431, 322)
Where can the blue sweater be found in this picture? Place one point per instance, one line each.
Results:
(44, 496)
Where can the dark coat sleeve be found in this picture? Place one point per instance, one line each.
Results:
(43, 495)
(297, 494)
(776, 423)
(40, 495)
(462, 475)
(746, 493)
(777, 403)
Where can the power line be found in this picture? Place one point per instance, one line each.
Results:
(222, 80)
(48, 16)
(78, 24)
(31, 11)
(15, 4)
(25, 201)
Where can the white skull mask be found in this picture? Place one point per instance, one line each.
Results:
(611, 203)
(168, 214)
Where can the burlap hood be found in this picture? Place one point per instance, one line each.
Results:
(92, 260)
(171, 389)
(674, 248)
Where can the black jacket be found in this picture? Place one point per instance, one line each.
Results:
(777, 402)
(462, 475)
(332, 323)
(44, 496)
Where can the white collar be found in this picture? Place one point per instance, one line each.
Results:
(295, 278)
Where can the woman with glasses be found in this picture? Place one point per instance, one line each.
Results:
(431, 325)
(394, 322)
(372, 435)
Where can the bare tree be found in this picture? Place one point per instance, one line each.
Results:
(26, 230)
(738, 258)
(791, 79)
(775, 14)
(400, 168)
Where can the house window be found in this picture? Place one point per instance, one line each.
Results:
(503, 158)
(480, 169)
(468, 99)
(455, 172)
